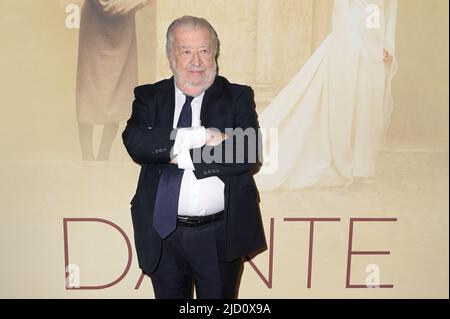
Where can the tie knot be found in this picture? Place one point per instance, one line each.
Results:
(189, 99)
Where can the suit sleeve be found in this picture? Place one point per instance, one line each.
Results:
(145, 143)
(241, 152)
(120, 7)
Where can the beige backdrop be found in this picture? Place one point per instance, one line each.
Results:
(264, 43)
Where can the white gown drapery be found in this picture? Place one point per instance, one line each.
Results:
(334, 113)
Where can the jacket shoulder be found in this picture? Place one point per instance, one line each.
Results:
(150, 89)
(235, 88)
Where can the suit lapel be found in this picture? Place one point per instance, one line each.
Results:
(210, 103)
(165, 104)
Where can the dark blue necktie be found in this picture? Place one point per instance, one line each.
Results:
(166, 203)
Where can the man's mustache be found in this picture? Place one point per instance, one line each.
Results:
(196, 68)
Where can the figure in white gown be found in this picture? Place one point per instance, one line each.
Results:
(334, 113)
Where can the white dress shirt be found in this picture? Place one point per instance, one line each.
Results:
(198, 197)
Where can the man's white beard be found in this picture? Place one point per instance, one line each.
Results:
(203, 86)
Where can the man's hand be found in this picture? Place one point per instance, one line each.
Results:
(214, 137)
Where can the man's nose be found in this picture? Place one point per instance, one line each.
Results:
(196, 59)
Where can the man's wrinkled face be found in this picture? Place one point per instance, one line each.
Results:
(192, 59)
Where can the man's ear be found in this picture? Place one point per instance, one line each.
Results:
(171, 60)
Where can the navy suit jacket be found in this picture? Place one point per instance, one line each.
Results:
(147, 138)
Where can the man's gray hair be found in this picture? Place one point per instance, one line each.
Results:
(194, 22)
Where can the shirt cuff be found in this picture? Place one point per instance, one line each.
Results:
(185, 161)
(188, 138)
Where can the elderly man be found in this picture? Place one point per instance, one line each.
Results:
(196, 209)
